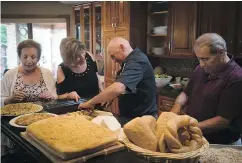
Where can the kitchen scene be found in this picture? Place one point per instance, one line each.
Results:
(121, 81)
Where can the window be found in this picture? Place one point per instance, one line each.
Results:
(53, 34)
(48, 32)
(11, 35)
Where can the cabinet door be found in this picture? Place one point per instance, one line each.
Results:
(97, 28)
(86, 26)
(209, 19)
(239, 31)
(220, 18)
(114, 106)
(108, 14)
(77, 22)
(125, 35)
(108, 63)
(122, 15)
(182, 24)
(228, 25)
(97, 36)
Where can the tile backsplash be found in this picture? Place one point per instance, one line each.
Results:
(179, 67)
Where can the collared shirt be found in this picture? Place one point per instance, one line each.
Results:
(218, 95)
(136, 74)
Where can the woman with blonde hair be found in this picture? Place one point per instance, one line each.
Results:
(77, 76)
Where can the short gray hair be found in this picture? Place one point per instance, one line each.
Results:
(212, 40)
(71, 49)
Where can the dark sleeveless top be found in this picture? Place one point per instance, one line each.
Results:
(85, 84)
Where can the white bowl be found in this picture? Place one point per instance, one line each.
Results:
(158, 50)
(160, 30)
(176, 86)
(161, 82)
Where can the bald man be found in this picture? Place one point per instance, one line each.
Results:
(214, 94)
(135, 83)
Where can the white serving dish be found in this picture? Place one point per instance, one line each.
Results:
(158, 50)
(160, 30)
(161, 82)
(12, 121)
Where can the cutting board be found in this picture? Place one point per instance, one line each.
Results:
(55, 159)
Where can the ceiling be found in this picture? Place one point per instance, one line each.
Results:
(73, 2)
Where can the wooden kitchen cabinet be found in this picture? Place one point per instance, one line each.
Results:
(97, 27)
(88, 21)
(181, 21)
(220, 18)
(239, 30)
(225, 19)
(89, 27)
(121, 27)
(86, 26)
(120, 20)
(164, 104)
(182, 28)
(116, 15)
(108, 63)
(122, 15)
(109, 14)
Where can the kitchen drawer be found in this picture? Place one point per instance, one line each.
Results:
(168, 103)
(165, 108)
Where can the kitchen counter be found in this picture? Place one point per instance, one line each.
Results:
(168, 92)
(14, 134)
(118, 157)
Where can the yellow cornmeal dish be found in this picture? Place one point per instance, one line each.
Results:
(31, 118)
(80, 113)
(69, 135)
(20, 108)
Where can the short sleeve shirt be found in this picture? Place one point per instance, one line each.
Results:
(136, 74)
(218, 95)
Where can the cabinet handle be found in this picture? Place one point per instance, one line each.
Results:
(169, 45)
(115, 25)
(115, 19)
(112, 24)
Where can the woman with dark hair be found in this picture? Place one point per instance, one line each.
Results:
(77, 76)
(27, 82)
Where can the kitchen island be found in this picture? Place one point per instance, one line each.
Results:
(14, 134)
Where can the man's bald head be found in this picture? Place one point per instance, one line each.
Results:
(119, 48)
(117, 41)
(213, 41)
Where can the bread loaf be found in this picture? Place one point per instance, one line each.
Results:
(141, 134)
(171, 141)
(183, 135)
(195, 130)
(162, 122)
(150, 120)
(178, 122)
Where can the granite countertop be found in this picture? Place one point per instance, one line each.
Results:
(168, 91)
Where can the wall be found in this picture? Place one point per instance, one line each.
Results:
(39, 8)
(179, 67)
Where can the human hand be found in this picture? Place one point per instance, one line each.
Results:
(47, 95)
(73, 95)
(18, 96)
(87, 106)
